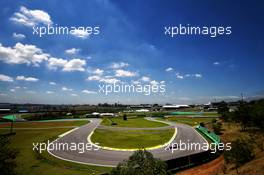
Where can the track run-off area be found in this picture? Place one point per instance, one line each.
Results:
(110, 157)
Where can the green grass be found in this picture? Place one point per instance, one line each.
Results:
(131, 139)
(192, 121)
(29, 163)
(46, 125)
(211, 114)
(132, 123)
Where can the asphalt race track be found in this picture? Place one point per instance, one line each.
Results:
(110, 158)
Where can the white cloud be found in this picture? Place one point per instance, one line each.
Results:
(18, 36)
(178, 76)
(74, 65)
(6, 78)
(98, 71)
(12, 90)
(216, 63)
(50, 92)
(72, 51)
(22, 54)
(52, 83)
(88, 91)
(124, 73)
(105, 79)
(66, 89)
(23, 78)
(118, 65)
(153, 82)
(198, 75)
(145, 79)
(30, 18)
(109, 80)
(169, 69)
(94, 78)
(54, 63)
(67, 66)
(2, 94)
(135, 82)
(79, 33)
(17, 87)
(75, 95)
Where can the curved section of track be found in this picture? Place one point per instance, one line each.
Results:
(101, 157)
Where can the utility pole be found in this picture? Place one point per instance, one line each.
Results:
(242, 97)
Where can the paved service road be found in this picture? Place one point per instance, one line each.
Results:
(103, 157)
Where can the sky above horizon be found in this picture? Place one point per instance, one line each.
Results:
(130, 48)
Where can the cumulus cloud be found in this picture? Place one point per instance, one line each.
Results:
(94, 78)
(66, 89)
(145, 79)
(88, 91)
(74, 65)
(216, 63)
(75, 95)
(105, 79)
(153, 82)
(22, 54)
(30, 18)
(6, 78)
(12, 90)
(98, 71)
(18, 36)
(179, 76)
(72, 51)
(50, 92)
(124, 73)
(67, 66)
(198, 75)
(169, 69)
(52, 83)
(23, 78)
(118, 65)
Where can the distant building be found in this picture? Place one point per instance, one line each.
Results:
(142, 110)
(107, 115)
(174, 107)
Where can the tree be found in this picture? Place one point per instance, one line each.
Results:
(202, 124)
(7, 157)
(217, 128)
(241, 153)
(125, 117)
(141, 162)
(223, 110)
(242, 115)
(257, 113)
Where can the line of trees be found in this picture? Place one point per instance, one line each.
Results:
(248, 114)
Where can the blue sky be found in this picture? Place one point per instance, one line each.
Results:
(131, 47)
